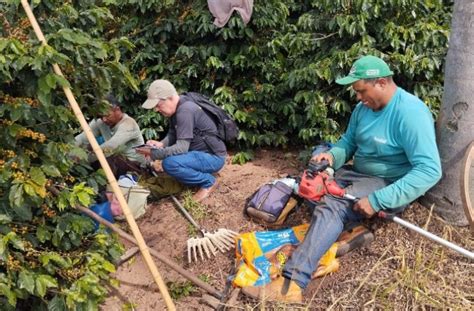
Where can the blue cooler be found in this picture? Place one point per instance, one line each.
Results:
(104, 211)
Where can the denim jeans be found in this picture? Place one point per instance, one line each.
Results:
(193, 168)
(328, 222)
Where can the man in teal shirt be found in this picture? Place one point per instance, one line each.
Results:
(391, 139)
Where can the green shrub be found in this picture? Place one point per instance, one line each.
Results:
(276, 75)
(50, 255)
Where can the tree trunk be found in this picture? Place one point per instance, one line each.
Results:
(455, 124)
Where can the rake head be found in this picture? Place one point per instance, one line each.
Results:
(210, 243)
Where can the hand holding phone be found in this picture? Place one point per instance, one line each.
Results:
(144, 150)
(142, 146)
(155, 143)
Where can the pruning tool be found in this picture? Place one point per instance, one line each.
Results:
(317, 181)
(417, 229)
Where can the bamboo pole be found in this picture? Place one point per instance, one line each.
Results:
(108, 172)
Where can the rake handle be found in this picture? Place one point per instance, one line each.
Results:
(167, 261)
(186, 214)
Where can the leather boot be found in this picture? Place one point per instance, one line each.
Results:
(280, 289)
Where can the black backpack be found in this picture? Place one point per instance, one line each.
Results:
(227, 129)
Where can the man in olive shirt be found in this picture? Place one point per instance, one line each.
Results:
(117, 134)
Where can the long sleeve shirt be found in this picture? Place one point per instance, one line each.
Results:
(123, 136)
(183, 135)
(396, 143)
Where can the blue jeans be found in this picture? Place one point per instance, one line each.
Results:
(328, 222)
(193, 168)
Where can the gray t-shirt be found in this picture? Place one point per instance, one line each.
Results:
(191, 123)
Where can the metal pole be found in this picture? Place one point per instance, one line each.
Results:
(105, 165)
(421, 231)
(435, 238)
(428, 235)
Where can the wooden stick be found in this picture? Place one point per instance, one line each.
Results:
(128, 254)
(465, 184)
(167, 261)
(108, 172)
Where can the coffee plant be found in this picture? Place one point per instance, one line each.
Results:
(50, 255)
(276, 74)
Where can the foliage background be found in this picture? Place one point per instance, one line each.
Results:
(275, 76)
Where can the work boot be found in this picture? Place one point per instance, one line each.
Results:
(203, 193)
(281, 289)
(328, 263)
(356, 236)
(322, 270)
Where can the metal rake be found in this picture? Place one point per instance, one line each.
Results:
(210, 242)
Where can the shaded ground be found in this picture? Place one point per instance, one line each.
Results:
(399, 270)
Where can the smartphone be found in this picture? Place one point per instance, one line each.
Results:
(142, 146)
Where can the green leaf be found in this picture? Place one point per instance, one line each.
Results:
(15, 241)
(3, 246)
(62, 81)
(26, 280)
(16, 195)
(43, 234)
(54, 257)
(50, 80)
(51, 170)
(23, 212)
(84, 198)
(29, 189)
(16, 114)
(43, 282)
(38, 176)
(79, 153)
(38, 190)
(7, 292)
(57, 303)
(5, 219)
(108, 266)
(14, 129)
(43, 84)
(44, 97)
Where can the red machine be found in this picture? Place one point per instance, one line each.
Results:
(316, 182)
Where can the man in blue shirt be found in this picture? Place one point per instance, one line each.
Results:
(391, 139)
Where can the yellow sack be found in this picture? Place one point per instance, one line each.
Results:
(261, 256)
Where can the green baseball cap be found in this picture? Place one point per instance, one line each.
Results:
(367, 67)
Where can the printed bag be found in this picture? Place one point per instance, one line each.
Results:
(271, 203)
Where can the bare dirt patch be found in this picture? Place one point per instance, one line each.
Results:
(399, 270)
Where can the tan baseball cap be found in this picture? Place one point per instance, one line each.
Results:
(158, 90)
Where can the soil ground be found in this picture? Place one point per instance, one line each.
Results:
(399, 270)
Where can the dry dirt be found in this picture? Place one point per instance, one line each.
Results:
(399, 270)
